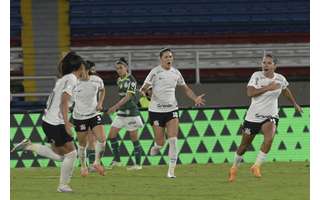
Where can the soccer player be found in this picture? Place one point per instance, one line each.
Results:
(86, 116)
(127, 114)
(55, 123)
(264, 88)
(163, 108)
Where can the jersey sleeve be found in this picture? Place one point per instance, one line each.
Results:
(150, 78)
(132, 86)
(253, 80)
(101, 84)
(69, 86)
(180, 79)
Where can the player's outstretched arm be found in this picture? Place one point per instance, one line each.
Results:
(288, 94)
(122, 101)
(198, 100)
(143, 90)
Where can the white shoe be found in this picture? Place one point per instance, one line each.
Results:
(114, 164)
(22, 145)
(134, 167)
(64, 188)
(154, 151)
(170, 173)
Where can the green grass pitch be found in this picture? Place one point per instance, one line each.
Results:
(280, 181)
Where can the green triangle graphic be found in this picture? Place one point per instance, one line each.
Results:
(12, 132)
(241, 113)
(106, 160)
(129, 146)
(107, 128)
(124, 160)
(58, 163)
(34, 118)
(144, 115)
(306, 113)
(209, 142)
(145, 144)
(185, 128)
(201, 126)
(27, 163)
(154, 160)
(43, 162)
(13, 163)
(186, 158)
(27, 131)
(41, 132)
(289, 112)
(122, 132)
(193, 114)
(193, 143)
(18, 118)
(208, 113)
(225, 113)
(233, 126)
(202, 158)
(217, 126)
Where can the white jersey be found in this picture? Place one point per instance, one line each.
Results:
(52, 113)
(85, 98)
(164, 84)
(266, 104)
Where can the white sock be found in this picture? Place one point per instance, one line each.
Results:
(261, 157)
(237, 160)
(82, 152)
(173, 151)
(45, 151)
(67, 167)
(100, 147)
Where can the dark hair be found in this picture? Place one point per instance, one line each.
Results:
(162, 51)
(71, 62)
(123, 61)
(89, 64)
(274, 59)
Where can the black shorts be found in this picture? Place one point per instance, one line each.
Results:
(160, 119)
(253, 128)
(84, 125)
(56, 134)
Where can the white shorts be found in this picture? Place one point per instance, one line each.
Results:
(131, 123)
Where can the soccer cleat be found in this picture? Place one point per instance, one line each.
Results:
(134, 167)
(22, 145)
(84, 171)
(232, 174)
(99, 168)
(255, 170)
(64, 188)
(154, 151)
(170, 173)
(114, 164)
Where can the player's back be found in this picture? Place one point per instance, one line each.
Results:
(52, 113)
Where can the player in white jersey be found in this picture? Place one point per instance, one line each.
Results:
(264, 88)
(55, 123)
(87, 118)
(163, 108)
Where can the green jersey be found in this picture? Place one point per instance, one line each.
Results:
(126, 85)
